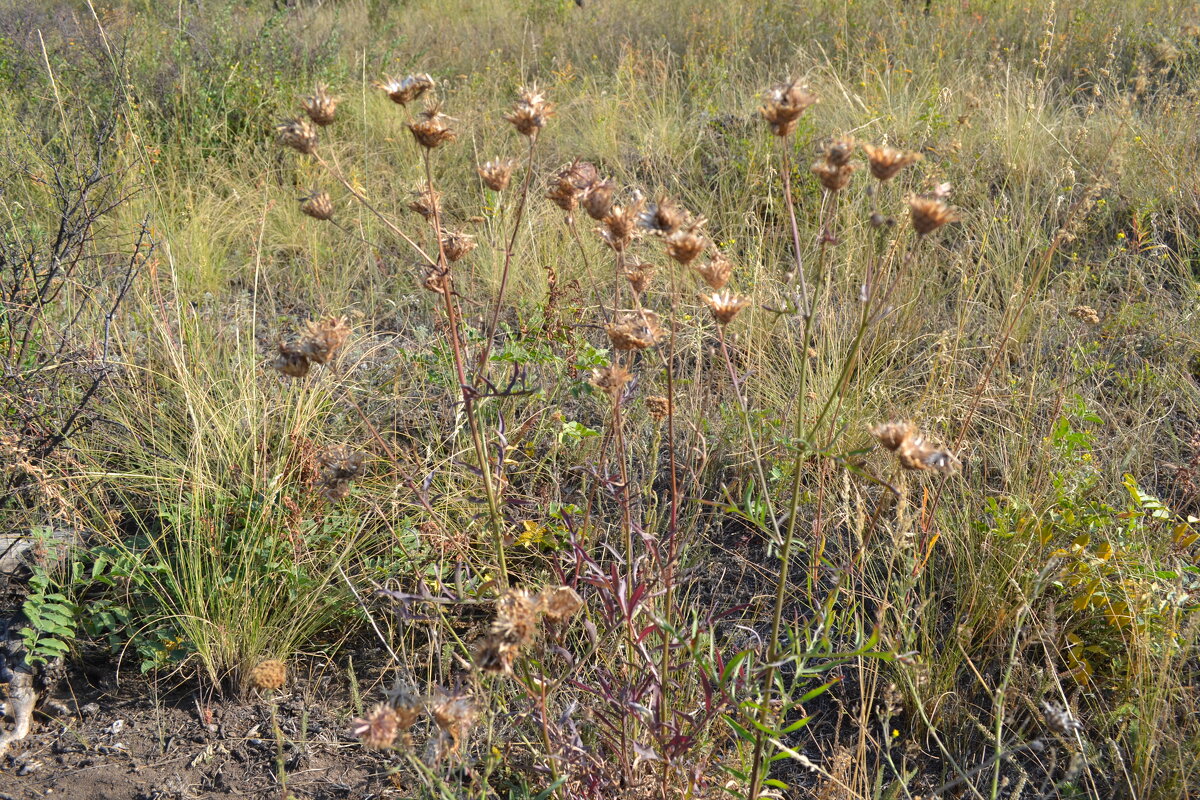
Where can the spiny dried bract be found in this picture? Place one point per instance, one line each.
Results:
(530, 113)
(320, 106)
(405, 91)
(378, 729)
(1061, 720)
(634, 331)
(685, 244)
(298, 134)
(431, 129)
(269, 675)
(930, 212)
(456, 245)
(497, 173)
(658, 407)
(569, 183)
(610, 380)
(886, 162)
(1086, 314)
(664, 217)
(317, 205)
(620, 226)
(725, 305)
(559, 603)
(339, 466)
(912, 449)
(598, 199)
(783, 105)
(639, 274)
(716, 272)
(514, 627)
(425, 203)
(833, 177)
(453, 715)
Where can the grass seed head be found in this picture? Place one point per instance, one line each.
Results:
(886, 162)
(405, 91)
(320, 106)
(378, 729)
(317, 205)
(432, 129)
(716, 272)
(269, 675)
(298, 134)
(531, 112)
(783, 105)
(929, 213)
(456, 245)
(497, 173)
(725, 305)
(634, 331)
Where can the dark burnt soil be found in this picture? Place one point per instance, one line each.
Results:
(100, 739)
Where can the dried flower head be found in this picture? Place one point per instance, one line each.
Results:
(929, 213)
(833, 177)
(431, 128)
(453, 717)
(912, 449)
(1061, 720)
(1086, 314)
(598, 199)
(639, 274)
(320, 105)
(405, 91)
(321, 339)
(425, 203)
(570, 182)
(716, 272)
(497, 173)
(339, 466)
(685, 245)
(317, 205)
(783, 105)
(269, 675)
(290, 361)
(635, 331)
(885, 162)
(658, 407)
(530, 113)
(724, 305)
(514, 626)
(298, 134)
(378, 729)
(610, 380)
(437, 278)
(664, 217)
(620, 226)
(456, 245)
(560, 603)
(839, 151)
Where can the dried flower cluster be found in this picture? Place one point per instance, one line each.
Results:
(405, 91)
(658, 407)
(339, 466)
(516, 624)
(716, 272)
(1086, 314)
(912, 449)
(783, 105)
(569, 184)
(639, 274)
(316, 346)
(425, 203)
(686, 243)
(611, 380)
(269, 675)
(835, 169)
(530, 113)
(320, 106)
(452, 716)
(456, 245)
(634, 331)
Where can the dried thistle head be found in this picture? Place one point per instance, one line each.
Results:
(432, 129)
(716, 272)
(598, 198)
(833, 177)
(635, 331)
(320, 106)
(559, 603)
(930, 212)
(685, 244)
(456, 245)
(339, 466)
(530, 113)
(783, 105)
(1086, 314)
(269, 675)
(317, 205)
(290, 361)
(425, 203)
(322, 339)
(839, 151)
(885, 162)
(437, 278)
(639, 274)
(497, 173)
(570, 182)
(658, 407)
(405, 91)
(611, 380)
(298, 134)
(1061, 720)
(377, 729)
(620, 226)
(453, 716)
(514, 626)
(664, 217)
(912, 449)
(724, 305)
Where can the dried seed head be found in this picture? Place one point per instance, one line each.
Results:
(290, 361)
(664, 217)
(892, 434)
(530, 113)
(634, 331)
(320, 105)
(685, 245)
(317, 205)
(1086, 314)
(834, 178)
(453, 716)
(456, 245)
(912, 449)
(716, 272)
(598, 199)
(658, 407)
(639, 274)
(560, 603)
(322, 339)
(570, 182)
(497, 173)
(514, 626)
(298, 134)
(432, 129)
(339, 466)
(378, 729)
(724, 305)
(885, 162)
(620, 226)
(1061, 720)
(839, 151)
(269, 675)
(437, 278)
(405, 91)
(425, 203)
(783, 105)
(929, 213)
(610, 380)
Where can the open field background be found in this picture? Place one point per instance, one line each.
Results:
(771, 604)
